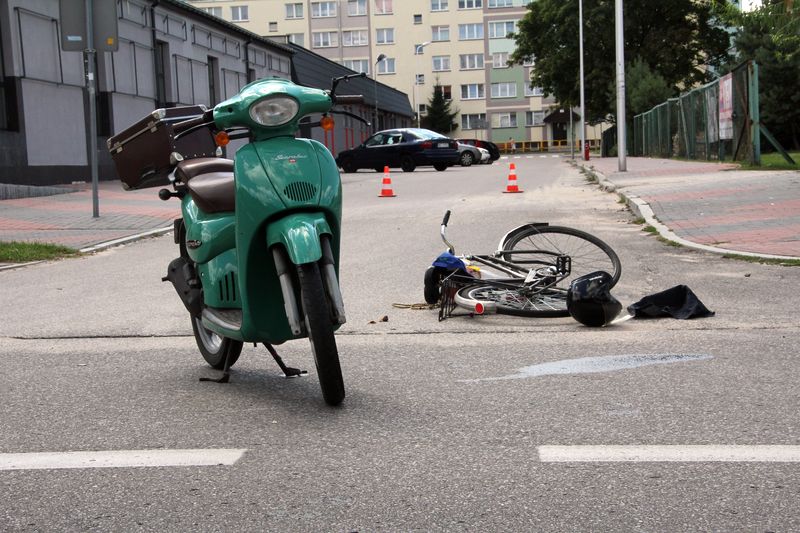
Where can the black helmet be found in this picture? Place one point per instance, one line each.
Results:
(589, 300)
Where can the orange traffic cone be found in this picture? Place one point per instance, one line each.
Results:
(512, 179)
(386, 191)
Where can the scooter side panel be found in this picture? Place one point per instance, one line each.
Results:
(220, 279)
(212, 234)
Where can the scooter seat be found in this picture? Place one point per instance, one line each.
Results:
(189, 168)
(213, 192)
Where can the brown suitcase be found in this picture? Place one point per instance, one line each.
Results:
(141, 153)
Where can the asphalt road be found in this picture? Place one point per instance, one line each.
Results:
(97, 355)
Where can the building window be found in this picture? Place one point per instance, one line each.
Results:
(273, 26)
(472, 91)
(447, 92)
(468, 32)
(355, 38)
(359, 65)
(441, 63)
(386, 66)
(324, 39)
(470, 61)
(500, 3)
(323, 9)
(475, 121)
(297, 38)
(216, 11)
(500, 30)
(504, 120)
(470, 4)
(239, 13)
(417, 19)
(383, 7)
(504, 90)
(527, 62)
(294, 11)
(533, 91)
(500, 60)
(534, 118)
(356, 8)
(440, 33)
(439, 5)
(420, 79)
(384, 36)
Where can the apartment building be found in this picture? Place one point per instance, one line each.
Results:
(413, 45)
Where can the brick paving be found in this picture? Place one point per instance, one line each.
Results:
(713, 204)
(66, 219)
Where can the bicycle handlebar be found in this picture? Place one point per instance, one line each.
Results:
(446, 218)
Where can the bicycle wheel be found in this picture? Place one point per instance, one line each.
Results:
(540, 246)
(514, 298)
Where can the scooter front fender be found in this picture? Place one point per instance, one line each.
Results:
(300, 234)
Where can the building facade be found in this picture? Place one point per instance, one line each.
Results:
(413, 45)
(169, 54)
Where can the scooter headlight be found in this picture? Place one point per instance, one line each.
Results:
(274, 110)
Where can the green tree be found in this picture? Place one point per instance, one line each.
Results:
(675, 38)
(440, 115)
(771, 36)
(644, 88)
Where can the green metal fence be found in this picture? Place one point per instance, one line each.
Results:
(689, 126)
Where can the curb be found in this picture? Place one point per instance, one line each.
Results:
(98, 247)
(643, 210)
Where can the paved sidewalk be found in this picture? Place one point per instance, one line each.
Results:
(702, 205)
(710, 205)
(66, 219)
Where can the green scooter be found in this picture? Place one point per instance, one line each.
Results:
(259, 238)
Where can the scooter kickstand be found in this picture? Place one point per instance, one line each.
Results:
(288, 371)
(226, 373)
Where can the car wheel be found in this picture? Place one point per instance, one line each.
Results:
(440, 166)
(348, 165)
(407, 163)
(467, 159)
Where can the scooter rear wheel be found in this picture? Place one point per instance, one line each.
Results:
(215, 348)
(319, 324)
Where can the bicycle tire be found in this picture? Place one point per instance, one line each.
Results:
(512, 298)
(539, 245)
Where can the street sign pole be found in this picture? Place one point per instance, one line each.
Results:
(87, 27)
(90, 54)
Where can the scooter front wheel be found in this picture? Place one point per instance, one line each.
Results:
(215, 348)
(319, 324)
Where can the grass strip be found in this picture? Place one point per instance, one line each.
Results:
(23, 252)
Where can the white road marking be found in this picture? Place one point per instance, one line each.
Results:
(671, 453)
(119, 459)
(555, 156)
(542, 156)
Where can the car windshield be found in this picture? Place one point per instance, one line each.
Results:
(426, 134)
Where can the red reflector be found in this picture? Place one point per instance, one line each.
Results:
(426, 145)
(479, 308)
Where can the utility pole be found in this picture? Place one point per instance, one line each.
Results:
(620, 47)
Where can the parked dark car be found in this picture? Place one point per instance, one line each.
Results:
(406, 148)
(494, 151)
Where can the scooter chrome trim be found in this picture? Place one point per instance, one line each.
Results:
(287, 290)
(331, 283)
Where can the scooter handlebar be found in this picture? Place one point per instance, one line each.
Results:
(206, 118)
(349, 99)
